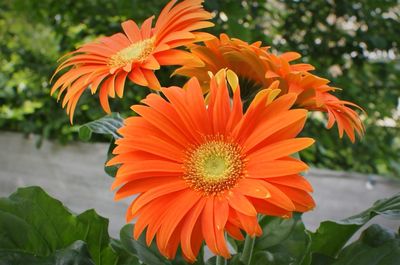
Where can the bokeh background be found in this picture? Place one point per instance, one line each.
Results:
(353, 43)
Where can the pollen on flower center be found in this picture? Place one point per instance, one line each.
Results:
(135, 52)
(214, 166)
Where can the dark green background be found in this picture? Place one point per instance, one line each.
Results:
(358, 38)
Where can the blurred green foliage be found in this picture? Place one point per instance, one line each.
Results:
(353, 43)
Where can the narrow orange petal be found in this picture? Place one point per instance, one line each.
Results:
(294, 181)
(146, 28)
(303, 201)
(141, 185)
(234, 231)
(120, 84)
(103, 95)
(276, 168)
(156, 192)
(253, 188)
(188, 229)
(207, 225)
(279, 198)
(221, 211)
(137, 77)
(181, 205)
(280, 149)
(132, 31)
(249, 224)
(151, 78)
(240, 203)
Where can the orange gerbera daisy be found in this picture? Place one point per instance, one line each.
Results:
(313, 94)
(258, 68)
(106, 63)
(203, 170)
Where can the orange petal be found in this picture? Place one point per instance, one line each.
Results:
(279, 198)
(276, 168)
(141, 185)
(188, 230)
(137, 77)
(302, 200)
(294, 181)
(249, 224)
(177, 57)
(280, 149)
(156, 192)
(146, 28)
(234, 231)
(120, 84)
(178, 209)
(132, 31)
(240, 203)
(151, 78)
(103, 95)
(221, 211)
(207, 225)
(253, 188)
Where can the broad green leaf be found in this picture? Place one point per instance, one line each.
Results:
(376, 246)
(262, 258)
(106, 125)
(75, 254)
(33, 223)
(284, 241)
(275, 230)
(139, 248)
(332, 236)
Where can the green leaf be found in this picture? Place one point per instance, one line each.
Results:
(75, 254)
(33, 223)
(331, 236)
(284, 241)
(263, 257)
(275, 230)
(106, 125)
(211, 261)
(376, 246)
(139, 248)
(111, 170)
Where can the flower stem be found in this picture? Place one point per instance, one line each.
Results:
(220, 261)
(248, 250)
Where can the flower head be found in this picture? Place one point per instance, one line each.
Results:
(206, 169)
(258, 68)
(105, 64)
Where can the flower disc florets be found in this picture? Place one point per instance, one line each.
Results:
(214, 166)
(135, 52)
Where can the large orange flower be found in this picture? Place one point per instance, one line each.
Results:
(258, 68)
(203, 170)
(106, 63)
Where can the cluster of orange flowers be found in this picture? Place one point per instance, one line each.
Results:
(207, 158)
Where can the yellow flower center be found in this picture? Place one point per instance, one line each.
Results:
(214, 166)
(134, 53)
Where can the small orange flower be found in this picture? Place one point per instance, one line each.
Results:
(203, 170)
(244, 59)
(106, 63)
(258, 68)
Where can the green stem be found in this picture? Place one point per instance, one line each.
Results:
(248, 250)
(220, 261)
